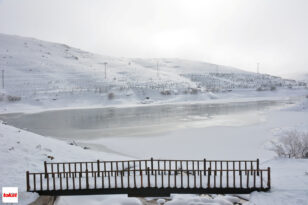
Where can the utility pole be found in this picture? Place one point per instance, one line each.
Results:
(157, 68)
(3, 79)
(105, 63)
(258, 64)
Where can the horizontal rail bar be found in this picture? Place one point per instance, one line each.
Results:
(162, 170)
(162, 160)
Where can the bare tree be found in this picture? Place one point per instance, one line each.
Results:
(291, 144)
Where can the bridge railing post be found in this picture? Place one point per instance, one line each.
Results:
(209, 178)
(87, 179)
(28, 181)
(269, 177)
(204, 166)
(98, 168)
(149, 178)
(152, 166)
(45, 169)
(258, 167)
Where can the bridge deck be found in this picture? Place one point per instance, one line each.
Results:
(151, 181)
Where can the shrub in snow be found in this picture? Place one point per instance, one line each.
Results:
(260, 89)
(273, 88)
(165, 92)
(291, 144)
(194, 91)
(110, 96)
(13, 98)
(212, 95)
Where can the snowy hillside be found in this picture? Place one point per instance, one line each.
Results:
(38, 72)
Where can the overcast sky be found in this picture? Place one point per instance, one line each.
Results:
(238, 33)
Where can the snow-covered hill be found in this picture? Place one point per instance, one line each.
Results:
(41, 72)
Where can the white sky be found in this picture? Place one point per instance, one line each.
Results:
(238, 33)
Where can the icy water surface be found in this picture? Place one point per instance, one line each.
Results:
(138, 121)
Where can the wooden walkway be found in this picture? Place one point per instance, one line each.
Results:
(150, 177)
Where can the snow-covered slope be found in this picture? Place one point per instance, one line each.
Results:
(42, 72)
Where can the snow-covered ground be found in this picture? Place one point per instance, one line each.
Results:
(42, 75)
(54, 76)
(22, 150)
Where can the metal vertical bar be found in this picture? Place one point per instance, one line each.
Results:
(220, 180)
(233, 177)
(109, 184)
(195, 181)
(66, 180)
(60, 182)
(215, 178)
(269, 177)
(155, 178)
(45, 169)
(241, 185)
(111, 168)
(258, 167)
(117, 168)
(251, 167)
(28, 181)
(34, 181)
(245, 167)
(98, 167)
(41, 182)
(103, 177)
(182, 178)
(73, 179)
(128, 175)
(87, 179)
(152, 165)
(227, 175)
(135, 186)
(69, 169)
(115, 180)
(204, 166)
(105, 168)
(54, 181)
(169, 173)
(149, 179)
(122, 173)
(254, 179)
(261, 179)
(200, 179)
(162, 180)
(198, 167)
(95, 180)
(209, 178)
(141, 179)
(175, 173)
(80, 175)
(247, 184)
(215, 168)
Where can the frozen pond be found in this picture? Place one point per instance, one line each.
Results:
(89, 124)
